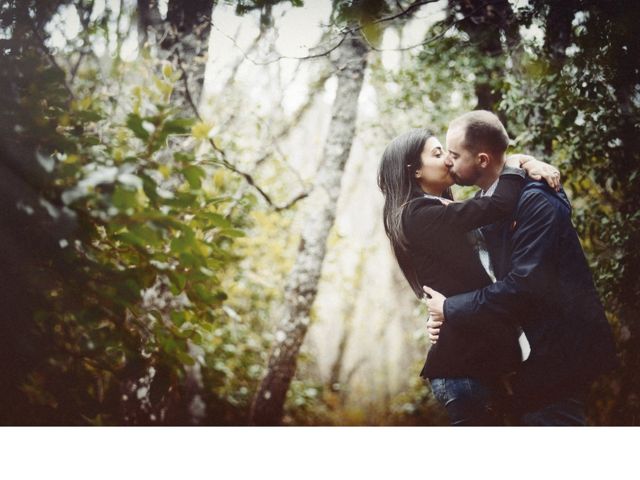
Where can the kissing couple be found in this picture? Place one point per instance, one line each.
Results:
(517, 330)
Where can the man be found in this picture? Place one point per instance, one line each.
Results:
(543, 284)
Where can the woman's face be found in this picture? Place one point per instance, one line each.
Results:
(434, 176)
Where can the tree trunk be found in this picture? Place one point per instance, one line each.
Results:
(148, 18)
(183, 40)
(484, 22)
(302, 286)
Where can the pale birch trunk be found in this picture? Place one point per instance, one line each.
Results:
(302, 285)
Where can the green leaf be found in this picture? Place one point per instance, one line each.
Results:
(91, 140)
(149, 186)
(131, 239)
(88, 116)
(185, 158)
(216, 220)
(124, 198)
(177, 318)
(194, 176)
(182, 244)
(178, 280)
(203, 293)
(134, 122)
(147, 233)
(188, 259)
(232, 233)
(183, 200)
(178, 126)
(185, 358)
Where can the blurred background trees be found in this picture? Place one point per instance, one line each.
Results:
(158, 161)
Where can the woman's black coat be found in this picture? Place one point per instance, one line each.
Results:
(443, 254)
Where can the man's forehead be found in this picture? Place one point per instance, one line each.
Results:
(454, 134)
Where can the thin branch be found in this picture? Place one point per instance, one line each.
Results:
(434, 38)
(85, 16)
(223, 156)
(185, 80)
(295, 119)
(238, 63)
(48, 53)
(406, 11)
(344, 33)
(74, 69)
(119, 36)
(282, 57)
(292, 202)
(411, 47)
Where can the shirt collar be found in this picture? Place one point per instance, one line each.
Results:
(491, 189)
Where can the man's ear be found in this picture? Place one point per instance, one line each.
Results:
(483, 160)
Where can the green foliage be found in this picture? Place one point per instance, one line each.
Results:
(139, 274)
(149, 226)
(127, 297)
(364, 14)
(571, 98)
(581, 106)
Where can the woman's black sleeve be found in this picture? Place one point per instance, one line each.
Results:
(472, 213)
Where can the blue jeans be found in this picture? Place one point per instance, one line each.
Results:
(567, 412)
(468, 402)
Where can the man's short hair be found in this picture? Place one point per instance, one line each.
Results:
(483, 131)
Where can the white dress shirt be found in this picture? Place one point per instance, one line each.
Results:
(525, 347)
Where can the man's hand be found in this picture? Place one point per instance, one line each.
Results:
(433, 327)
(538, 170)
(435, 302)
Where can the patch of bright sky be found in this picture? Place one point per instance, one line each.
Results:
(534, 33)
(98, 9)
(413, 33)
(163, 6)
(65, 26)
(299, 30)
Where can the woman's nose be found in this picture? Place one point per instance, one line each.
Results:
(447, 161)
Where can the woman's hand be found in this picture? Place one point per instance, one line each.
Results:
(538, 170)
(435, 302)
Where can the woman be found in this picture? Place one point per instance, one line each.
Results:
(433, 240)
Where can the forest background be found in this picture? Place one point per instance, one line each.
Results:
(191, 229)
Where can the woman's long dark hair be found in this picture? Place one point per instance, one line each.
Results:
(396, 179)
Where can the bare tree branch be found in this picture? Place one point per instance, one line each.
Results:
(435, 37)
(85, 17)
(223, 156)
(406, 11)
(343, 36)
(52, 59)
(237, 65)
(345, 32)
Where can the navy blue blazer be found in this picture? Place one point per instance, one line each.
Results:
(544, 285)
